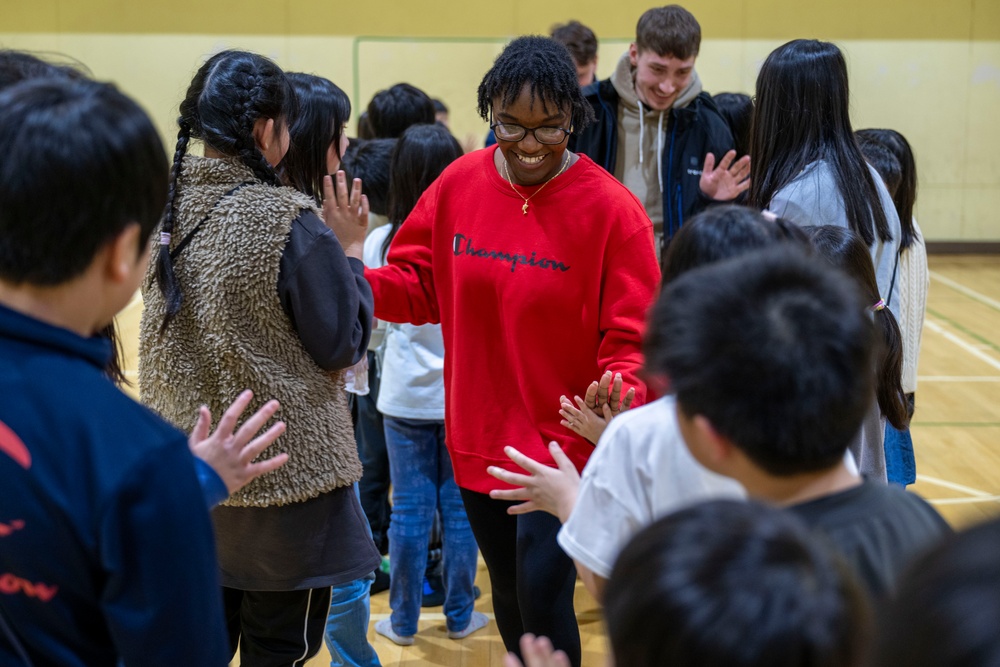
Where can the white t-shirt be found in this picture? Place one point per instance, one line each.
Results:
(640, 471)
(413, 363)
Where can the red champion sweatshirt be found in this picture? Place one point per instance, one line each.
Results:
(532, 307)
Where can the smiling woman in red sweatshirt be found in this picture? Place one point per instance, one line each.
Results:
(540, 267)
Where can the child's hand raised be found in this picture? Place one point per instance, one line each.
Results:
(346, 214)
(231, 455)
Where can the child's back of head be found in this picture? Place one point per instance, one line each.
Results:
(722, 232)
(733, 584)
(845, 250)
(774, 350)
(81, 162)
(883, 160)
(420, 155)
(905, 195)
(371, 161)
(394, 109)
(737, 109)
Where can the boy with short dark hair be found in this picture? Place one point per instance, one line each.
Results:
(581, 42)
(106, 548)
(770, 356)
(657, 131)
(396, 108)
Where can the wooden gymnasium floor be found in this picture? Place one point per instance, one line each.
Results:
(956, 434)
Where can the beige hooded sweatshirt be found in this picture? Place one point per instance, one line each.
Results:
(639, 163)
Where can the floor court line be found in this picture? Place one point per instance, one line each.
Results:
(971, 293)
(954, 486)
(963, 501)
(958, 378)
(937, 328)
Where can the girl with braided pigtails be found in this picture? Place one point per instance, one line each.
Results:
(251, 289)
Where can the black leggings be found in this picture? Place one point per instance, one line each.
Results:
(533, 579)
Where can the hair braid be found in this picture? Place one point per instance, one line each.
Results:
(165, 277)
(247, 92)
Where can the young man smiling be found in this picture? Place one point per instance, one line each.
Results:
(657, 131)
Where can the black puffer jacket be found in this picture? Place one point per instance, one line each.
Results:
(692, 132)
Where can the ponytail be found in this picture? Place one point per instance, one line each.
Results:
(889, 369)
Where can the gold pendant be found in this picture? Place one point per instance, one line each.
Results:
(524, 209)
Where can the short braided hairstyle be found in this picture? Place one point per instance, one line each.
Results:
(227, 95)
(547, 68)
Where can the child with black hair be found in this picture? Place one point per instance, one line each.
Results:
(317, 143)
(539, 267)
(807, 167)
(737, 109)
(947, 605)
(412, 402)
(778, 597)
(845, 250)
(769, 356)
(727, 583)
(396, 108)
(252, 289)
(914, 283)
(106, 540)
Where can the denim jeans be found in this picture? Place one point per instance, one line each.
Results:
(423, 482)
(347, 625)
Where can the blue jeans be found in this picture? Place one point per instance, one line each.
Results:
(347, 625)
(423, 482)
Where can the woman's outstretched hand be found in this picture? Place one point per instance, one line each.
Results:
(346, 214)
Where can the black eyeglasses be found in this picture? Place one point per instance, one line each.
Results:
(543, 135)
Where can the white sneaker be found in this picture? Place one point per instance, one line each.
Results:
(478, 621)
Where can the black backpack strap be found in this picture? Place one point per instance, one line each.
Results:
(892, 283)
(190, 235)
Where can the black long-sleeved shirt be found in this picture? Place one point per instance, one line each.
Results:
(325, 294)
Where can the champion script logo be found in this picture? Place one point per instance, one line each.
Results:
(463, 246)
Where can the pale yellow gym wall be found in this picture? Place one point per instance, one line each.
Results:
(928, 68)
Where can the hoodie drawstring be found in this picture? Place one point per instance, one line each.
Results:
(659, 143)
(659, 152)
(642, 124)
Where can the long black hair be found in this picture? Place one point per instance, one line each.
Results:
(323, 109)
(420, 156)
(545, 66)
(228, 94)
(802, 115)
(906, 194)
(845, 250)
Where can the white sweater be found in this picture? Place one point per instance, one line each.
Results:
(914, 281)
(413, 366)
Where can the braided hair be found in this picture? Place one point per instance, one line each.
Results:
(547, 68)
(228, 94)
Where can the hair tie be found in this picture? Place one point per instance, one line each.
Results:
(880, 305)
(165, 238)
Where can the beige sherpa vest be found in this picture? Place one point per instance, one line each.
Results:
(232, 333)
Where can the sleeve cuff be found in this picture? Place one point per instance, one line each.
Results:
(213, 489)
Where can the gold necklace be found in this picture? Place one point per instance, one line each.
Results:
(524, 209)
